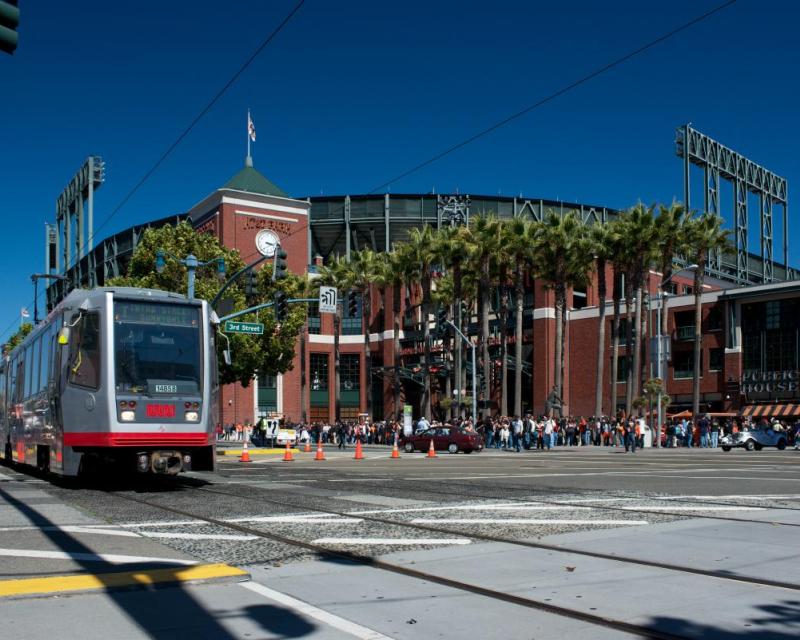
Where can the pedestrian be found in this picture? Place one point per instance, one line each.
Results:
(714, 434)
(516, 433)
(548, 432)
(341, 435)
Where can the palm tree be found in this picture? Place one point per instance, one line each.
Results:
(420, 246)
(364, 273)
(602, 241)
(705, 236)
(642, 233)
(562, 258)
(396, 267)
(670, 238)
(519, 242)
(486, 240)
(336, 274)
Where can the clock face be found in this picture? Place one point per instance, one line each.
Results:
(266, 241)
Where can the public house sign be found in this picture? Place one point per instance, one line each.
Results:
(787, 381)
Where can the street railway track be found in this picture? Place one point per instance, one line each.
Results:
(374, 562)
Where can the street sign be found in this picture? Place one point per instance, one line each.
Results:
(253, 328)
(327, 299)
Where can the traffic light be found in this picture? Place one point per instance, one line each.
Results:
(280, 267)
(280, 305)
(250, 284)
(352, 304)
(9, 20)
(441, 320)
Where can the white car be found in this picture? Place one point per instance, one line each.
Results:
(754, 438)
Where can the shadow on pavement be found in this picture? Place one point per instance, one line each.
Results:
(172, 609)
(781, 621)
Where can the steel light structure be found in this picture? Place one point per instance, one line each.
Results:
(718, 162)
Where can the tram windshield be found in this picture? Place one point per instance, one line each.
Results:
(157, 348)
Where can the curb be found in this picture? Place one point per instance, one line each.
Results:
(87, 583)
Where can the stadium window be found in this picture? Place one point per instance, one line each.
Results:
(716, 359)
(84, 355)
(579, 298)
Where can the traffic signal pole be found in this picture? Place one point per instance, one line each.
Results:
(266, 305)
(474, 370)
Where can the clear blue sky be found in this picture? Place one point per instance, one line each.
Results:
(351, 94)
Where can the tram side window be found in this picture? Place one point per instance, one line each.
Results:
(20, 381)
(84, 352)
(47, 352)
(28, 369)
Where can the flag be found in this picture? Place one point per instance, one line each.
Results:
(251, 128)
(24, 313)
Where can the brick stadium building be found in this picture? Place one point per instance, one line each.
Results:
(750, 334)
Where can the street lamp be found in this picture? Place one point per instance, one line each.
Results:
(660, 351)
(192, 264)
(474, 370)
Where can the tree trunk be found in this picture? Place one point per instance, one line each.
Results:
(699, 276)
(601, 338)
(558, 362)
(367, 302)
(637, 346)
(487, 364)
(616, 294)
(396, 349)
(458, 347)
(303, 373)
(337, 381)
(628, 344)
(519, 294)
(503, 320)
(426, 326)
(564, 347)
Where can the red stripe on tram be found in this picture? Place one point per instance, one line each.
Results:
(136, 439)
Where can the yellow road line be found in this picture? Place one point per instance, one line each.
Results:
(254, 452)
(62, 584)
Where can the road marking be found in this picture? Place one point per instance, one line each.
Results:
(526, 521)
(687, 508)
(196, 536)
(391, 541)
(88, 557)
(473, 507)
(61, 584)
(310, 519)
(354, 629)
(736, 496)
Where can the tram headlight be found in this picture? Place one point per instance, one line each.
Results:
(192, 416)
(127, 416)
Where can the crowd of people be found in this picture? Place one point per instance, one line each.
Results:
(516, 433)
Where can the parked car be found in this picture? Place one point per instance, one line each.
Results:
(452, 439)
(756, 437)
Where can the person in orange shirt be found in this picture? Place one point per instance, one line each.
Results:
(238, 430)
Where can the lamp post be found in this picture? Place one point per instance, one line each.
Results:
(192, 264)
(662, 300)
(474, 370)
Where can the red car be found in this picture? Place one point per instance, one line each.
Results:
(447, 438)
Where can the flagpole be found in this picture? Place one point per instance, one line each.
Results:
(248, 133)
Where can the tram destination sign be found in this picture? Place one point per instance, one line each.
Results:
(252, 328)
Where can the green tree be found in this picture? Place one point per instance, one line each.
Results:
(563, 259)
(363, 272)
(519, 241)
(704, 236)
(19, 336)
(335, 274)
(271, 353)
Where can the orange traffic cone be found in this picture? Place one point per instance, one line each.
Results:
(320, 453)
(431, 452)
(287, 456)
(245, 454)
(359, 453)
(395, 451)
(307, 448)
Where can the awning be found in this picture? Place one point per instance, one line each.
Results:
(771, 411)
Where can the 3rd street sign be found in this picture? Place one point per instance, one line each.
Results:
(253, 328)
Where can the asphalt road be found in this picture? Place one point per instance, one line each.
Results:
(515, 545)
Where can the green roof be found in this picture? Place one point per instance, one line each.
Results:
(248, 179)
